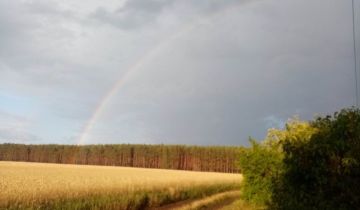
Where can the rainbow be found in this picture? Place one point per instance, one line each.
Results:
(150, 55)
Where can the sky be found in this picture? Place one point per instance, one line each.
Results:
(202, 72)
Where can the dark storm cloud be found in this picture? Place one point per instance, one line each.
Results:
(137, 13)
(242, 67)
(133, 14)
(215, 90)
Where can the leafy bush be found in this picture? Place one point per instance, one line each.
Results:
(322, 172)
(262, 164)
(259, 165)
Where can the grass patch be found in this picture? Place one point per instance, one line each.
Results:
(241, 204)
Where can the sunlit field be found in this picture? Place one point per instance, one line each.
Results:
(57, 186)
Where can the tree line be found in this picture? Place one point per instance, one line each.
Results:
(181, 157)
(307, 165)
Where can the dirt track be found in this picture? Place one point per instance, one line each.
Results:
(213, 202)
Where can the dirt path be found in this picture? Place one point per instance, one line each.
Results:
(212, 202)
(222, 204)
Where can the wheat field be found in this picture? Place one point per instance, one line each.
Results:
(55, 186)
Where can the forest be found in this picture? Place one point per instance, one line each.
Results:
(180, 157)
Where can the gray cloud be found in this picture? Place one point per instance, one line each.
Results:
(137, 13)
(133, 14)
(221, 80)
(232, 70)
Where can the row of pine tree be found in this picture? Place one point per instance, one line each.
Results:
(181, 157)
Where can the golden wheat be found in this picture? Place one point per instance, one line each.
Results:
(33, 182)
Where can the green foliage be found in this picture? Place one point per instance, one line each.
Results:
(322, 172)
(307, 166)
(259, 165)
(262, 164)
(295, 130)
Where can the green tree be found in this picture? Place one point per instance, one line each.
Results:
(262, 164)
(322, 172)
(259, 165)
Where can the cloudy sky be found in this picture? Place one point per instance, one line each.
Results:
(170, 71)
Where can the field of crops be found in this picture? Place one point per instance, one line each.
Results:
(58, 186)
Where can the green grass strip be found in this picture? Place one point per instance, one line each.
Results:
(124, 200)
